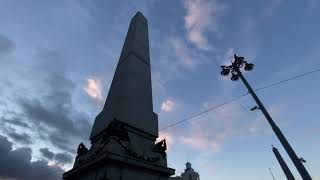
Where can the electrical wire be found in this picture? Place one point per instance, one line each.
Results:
(234, 99)
(289, 79)
(202, 112)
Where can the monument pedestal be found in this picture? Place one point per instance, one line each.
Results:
(112, 166)
(120, 153)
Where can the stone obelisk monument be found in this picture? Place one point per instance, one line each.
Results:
(124, 132)
(283, 164)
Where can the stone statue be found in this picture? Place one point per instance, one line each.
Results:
(160, 147)
(82, 150)
(116, 129)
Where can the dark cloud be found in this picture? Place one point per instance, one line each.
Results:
(21, 138)
(60, 141)
(16, 164)
(49, 110)
(53, 113)
(47, 153)
(6, 45)
(63, 158)
(14, 121)
(60, 158)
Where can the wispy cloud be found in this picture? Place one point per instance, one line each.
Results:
(175, 59)
(228, 56)
(201, 17)
(182, 52)
(260, 126)
(199, 140)
(211, 130)
(313, 4)
(6, 45)
(186, 57)
(270, 7)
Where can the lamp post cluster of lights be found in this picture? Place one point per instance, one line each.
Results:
(234, 69)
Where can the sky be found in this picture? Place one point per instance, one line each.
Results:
(58, 59)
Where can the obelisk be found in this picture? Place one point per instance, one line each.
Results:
(124, 132)
(283, 164)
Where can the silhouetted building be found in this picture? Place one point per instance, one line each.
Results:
(188, 174)
(124, 132)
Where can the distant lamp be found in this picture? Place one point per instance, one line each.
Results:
(248, 66)
(254, 108)
(238, 60)
(234, 69)
(225, 72)
(234, 77)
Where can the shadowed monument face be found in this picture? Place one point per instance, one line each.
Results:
(124, 132)
(130, 95)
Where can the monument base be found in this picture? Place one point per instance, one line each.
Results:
(115, 155)
(111, 166)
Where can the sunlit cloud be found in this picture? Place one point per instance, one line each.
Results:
(213, 129)
(200, 141)
(167, 106)
(93, 88)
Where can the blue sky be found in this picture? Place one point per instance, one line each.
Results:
(58, 58)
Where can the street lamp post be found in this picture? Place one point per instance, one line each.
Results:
(234, 68)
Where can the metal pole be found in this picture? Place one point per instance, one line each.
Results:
(296, 161)
(272, 174)
(283, 164)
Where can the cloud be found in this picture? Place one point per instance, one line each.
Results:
(201, 17)
(47, 153)
(6, 45)
(17, 164)
(171, 60)
(59, 158)
(201, 141)
(63, 158)
(93, 88)
(216, 127)
(228, 56)
(54, 110)
(15, 122)
(260, 126)
(313, 4)
(167, 106)
(211, 130)
(21, 138)
(158, 87)
(49, 110)
(249, 24)
(270, 7)
(185, 57)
